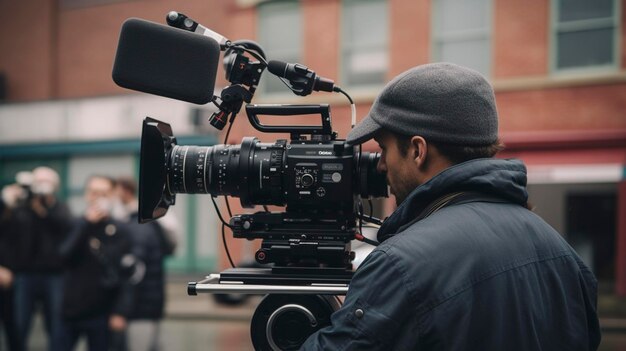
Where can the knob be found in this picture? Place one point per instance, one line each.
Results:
(307, 180)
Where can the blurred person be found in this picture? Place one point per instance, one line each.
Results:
(96, 302)
(152, 242)
(10, 196)
(35, 226)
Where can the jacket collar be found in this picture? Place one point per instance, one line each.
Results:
(505, 179)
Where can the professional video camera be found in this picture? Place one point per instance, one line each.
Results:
(318, 177)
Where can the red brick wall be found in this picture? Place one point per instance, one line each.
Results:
(520, 38)
(409, 42)
(322, 25)
(27, 51)
(582, 108)
(68, 52)
(88, 39)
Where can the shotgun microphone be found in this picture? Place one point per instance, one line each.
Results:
(302, 79)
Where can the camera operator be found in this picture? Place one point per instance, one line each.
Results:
(36, 223)
(151, 243)
(96, 302)
(462, 264)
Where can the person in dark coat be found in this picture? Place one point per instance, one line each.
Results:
(463, 264)
(96, 302)
(36, 225)
(150, 245)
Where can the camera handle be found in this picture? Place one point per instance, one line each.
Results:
(253, 110)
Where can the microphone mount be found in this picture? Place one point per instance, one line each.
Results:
(181, 21)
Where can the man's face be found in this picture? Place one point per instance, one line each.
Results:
(124, 195)
(402, 171)
(98, 188)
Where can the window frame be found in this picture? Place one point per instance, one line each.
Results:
(555, 28)
(462, 35)
(262, 88)
(348, 46)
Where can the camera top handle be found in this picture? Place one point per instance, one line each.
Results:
(323, 132)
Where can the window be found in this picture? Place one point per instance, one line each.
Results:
(462, 33)
(364, 45)
(280, 35)
(584, 34)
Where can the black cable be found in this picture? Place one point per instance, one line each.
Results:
(232, 264)
(219, 214)
(286, 84)
(371, 207)
(263, 61)
(369, 241)
(369, 219)
(251, 52)
(230, 126)
(265, 208)
(360, 214)
(339, 90)
(230, 214)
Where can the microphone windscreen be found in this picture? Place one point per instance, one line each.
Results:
(277, 68)
(166, 61)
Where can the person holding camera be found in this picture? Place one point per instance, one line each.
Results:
(96, 302)
(35, 223)
(463, 264)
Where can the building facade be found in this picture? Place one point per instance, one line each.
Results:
(558, 68)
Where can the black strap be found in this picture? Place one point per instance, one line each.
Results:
(460, 197)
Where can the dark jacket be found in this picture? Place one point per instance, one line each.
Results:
(32, 242)
(8, 238)
(474, 275)
(96, 281)
(148, 247)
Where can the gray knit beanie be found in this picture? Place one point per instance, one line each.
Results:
(441, 102)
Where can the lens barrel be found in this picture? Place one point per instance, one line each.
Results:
(252, 171)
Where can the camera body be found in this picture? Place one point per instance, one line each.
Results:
(317, 178)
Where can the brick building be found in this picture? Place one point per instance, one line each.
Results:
(558, 68)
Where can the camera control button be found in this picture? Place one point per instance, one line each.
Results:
(321, 192)
(359, 313)
(336, 177)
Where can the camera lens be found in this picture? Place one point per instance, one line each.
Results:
(251, 171)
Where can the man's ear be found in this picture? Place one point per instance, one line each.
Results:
(419, 149)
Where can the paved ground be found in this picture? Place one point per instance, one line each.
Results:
(197, 323)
